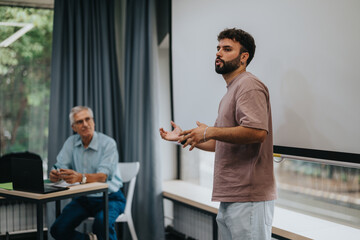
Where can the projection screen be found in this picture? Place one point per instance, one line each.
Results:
(308, 54)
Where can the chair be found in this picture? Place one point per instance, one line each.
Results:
(128, 172)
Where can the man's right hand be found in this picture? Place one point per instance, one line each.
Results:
(174, 135)
(54, 176)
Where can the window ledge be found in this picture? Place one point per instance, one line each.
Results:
(286, 223)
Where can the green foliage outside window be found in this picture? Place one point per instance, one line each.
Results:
(25, 81)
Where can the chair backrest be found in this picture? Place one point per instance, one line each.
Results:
(128, 172)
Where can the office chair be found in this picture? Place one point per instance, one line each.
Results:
(128, 173)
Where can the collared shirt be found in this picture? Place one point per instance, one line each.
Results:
(101, 156)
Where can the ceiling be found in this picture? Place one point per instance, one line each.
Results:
(29, 3)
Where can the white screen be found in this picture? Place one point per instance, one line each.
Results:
(308, 54)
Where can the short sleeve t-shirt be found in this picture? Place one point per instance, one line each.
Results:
(244, 172)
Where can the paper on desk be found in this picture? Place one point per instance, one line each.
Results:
(62, 183)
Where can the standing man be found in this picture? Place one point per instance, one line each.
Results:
(86, 157)
(242, 140)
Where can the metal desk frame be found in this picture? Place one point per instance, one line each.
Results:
(74, 191)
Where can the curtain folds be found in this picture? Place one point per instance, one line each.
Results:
(84, 70)
(140, 82)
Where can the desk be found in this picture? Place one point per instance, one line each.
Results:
(74, 191)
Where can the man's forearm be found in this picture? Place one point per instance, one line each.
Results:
(95, 177)
(237, 135)
(207, 146)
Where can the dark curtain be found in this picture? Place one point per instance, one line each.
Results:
(140, 69)
(84, 72)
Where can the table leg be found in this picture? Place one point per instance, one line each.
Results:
(39, 221)
(106, 214)
(58, 207)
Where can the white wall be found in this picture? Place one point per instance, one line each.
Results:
(167, 149)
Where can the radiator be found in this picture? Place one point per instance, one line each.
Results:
(17, 217)
(193, 223)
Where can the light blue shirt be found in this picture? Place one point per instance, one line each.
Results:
(101, 156)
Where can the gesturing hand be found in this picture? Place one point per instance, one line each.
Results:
(193, 136)
(174, 135)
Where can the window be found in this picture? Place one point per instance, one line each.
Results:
(25, 80)
(326, 191)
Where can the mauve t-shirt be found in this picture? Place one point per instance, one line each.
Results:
(244, 172)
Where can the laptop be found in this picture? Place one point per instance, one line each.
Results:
(27, 176)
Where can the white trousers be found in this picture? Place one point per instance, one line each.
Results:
(245, 220)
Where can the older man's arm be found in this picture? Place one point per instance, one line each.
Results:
(71, 176)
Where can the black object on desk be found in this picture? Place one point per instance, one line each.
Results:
(5, 163)
(27, 175)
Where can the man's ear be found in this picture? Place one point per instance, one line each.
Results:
(244, 57)
(73, 128)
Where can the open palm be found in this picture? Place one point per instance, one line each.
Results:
(174, 135)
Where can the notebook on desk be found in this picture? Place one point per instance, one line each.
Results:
(27, 175)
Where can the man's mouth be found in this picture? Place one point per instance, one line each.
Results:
(218, 61)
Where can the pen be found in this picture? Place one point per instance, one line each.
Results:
(58, 170)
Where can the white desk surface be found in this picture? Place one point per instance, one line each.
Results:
(72, 189)
(286, 223)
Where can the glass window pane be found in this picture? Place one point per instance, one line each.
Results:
(326, 191)
(321, 190)
(25, 79)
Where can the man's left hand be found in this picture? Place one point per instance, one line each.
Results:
(70, 176)
(193, 136)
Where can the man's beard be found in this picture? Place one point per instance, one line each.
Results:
(229, 66)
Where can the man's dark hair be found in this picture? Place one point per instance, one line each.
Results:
(245, 39)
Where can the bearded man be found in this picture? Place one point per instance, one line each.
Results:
(242, 140)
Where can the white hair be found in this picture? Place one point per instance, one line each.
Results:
(78, 109)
